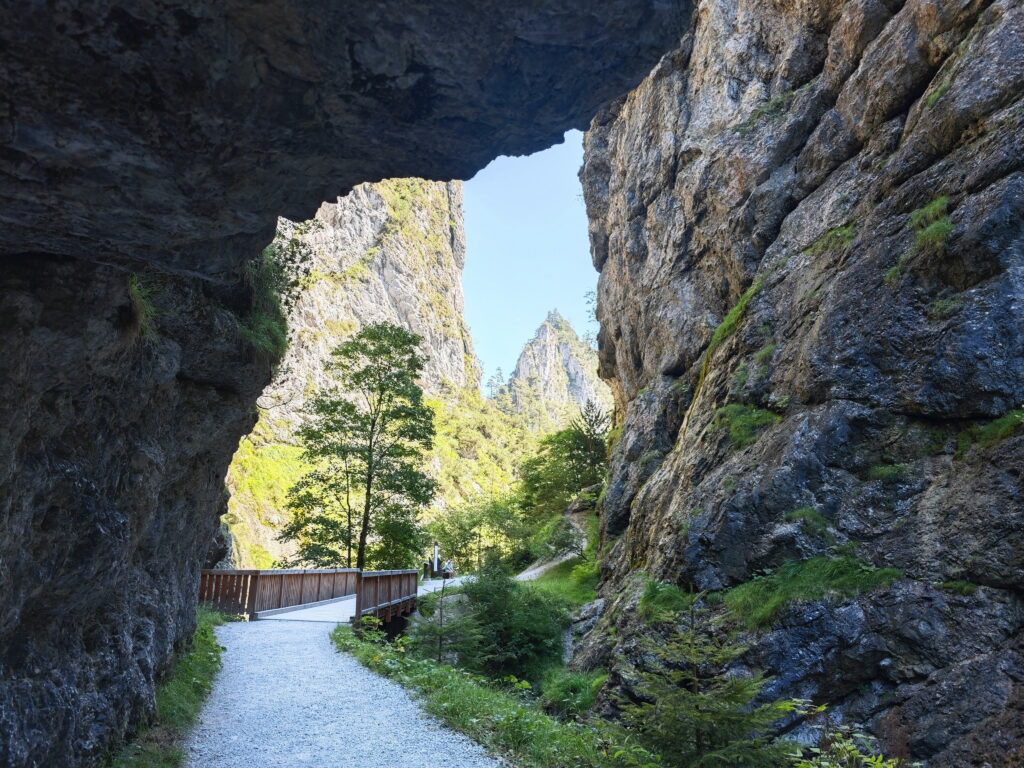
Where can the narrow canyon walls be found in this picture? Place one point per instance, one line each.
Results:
(148, 149)
(809, 222)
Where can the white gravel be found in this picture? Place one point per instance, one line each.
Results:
(286, 699)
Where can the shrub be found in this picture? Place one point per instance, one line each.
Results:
(520, 628)
(569, 694)
(661, 602)
(843, 748)
(696, 714)
(744, 422)
(757, 601)
(573, 581)
(942, 309)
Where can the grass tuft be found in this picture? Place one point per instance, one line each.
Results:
(988, 435)
(757, 601)
(964, 588)
(811, 518)
(834, 239)
(661, 602)
(744, 422)
(932, 225)
(265, 327)
(570, 694)
(179, 699)
(887, 473)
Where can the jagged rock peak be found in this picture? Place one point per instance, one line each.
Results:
(555, 375)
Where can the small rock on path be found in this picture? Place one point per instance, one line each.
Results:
(286, 699)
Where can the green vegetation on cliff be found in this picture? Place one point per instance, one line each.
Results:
(757, 601)
(179, 699)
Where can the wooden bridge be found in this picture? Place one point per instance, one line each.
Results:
(383, 594)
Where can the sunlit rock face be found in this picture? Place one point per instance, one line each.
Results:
(855, 170)
(555, 376)
(387, 252)
(162, 140)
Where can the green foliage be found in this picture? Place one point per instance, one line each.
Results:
(942, 309)
(997, 430)
(732, 319)
(764, 354)
(888, 473)
(772, 109)
(141, 296)
(757, 601)
(573, 581)
(471, 532)
(275, 281)
(960, 587)
(476, 449)
(179, 699)
(661, 603)
(366, 437)
(811, 518)
(520, 627)
(892, 275)
(938, 93)
(834, 239)
(744, 422)
(570, 694)
(843, 748)
(695, 714)
(566, 462)
(506, 721)
(932, 226)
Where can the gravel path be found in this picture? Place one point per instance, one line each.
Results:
(286, 699)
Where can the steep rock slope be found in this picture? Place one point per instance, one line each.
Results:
(163, 140)
(555, 376)
(809, 222)
(388, 252)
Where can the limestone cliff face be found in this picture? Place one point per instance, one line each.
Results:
(809, 222)
(555, 376)
(388, 252)
(164, 140)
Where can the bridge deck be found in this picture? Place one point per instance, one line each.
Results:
(341, 610)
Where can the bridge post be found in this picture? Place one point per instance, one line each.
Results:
(251, 595)
(359, 598)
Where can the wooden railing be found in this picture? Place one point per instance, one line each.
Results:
(386, 594)
(249, 592)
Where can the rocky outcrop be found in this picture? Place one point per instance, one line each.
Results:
(388, 252)
(555, 376)
(163, 140)
(809, 222)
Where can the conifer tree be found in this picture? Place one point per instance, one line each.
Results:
(695, 714)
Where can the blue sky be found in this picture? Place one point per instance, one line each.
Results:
(526, 250)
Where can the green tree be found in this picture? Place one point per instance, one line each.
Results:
(487, 526)
(566, 462)
(695, 714)
(367, 433)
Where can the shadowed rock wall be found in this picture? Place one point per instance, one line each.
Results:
(162, 140)
(812, 214)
